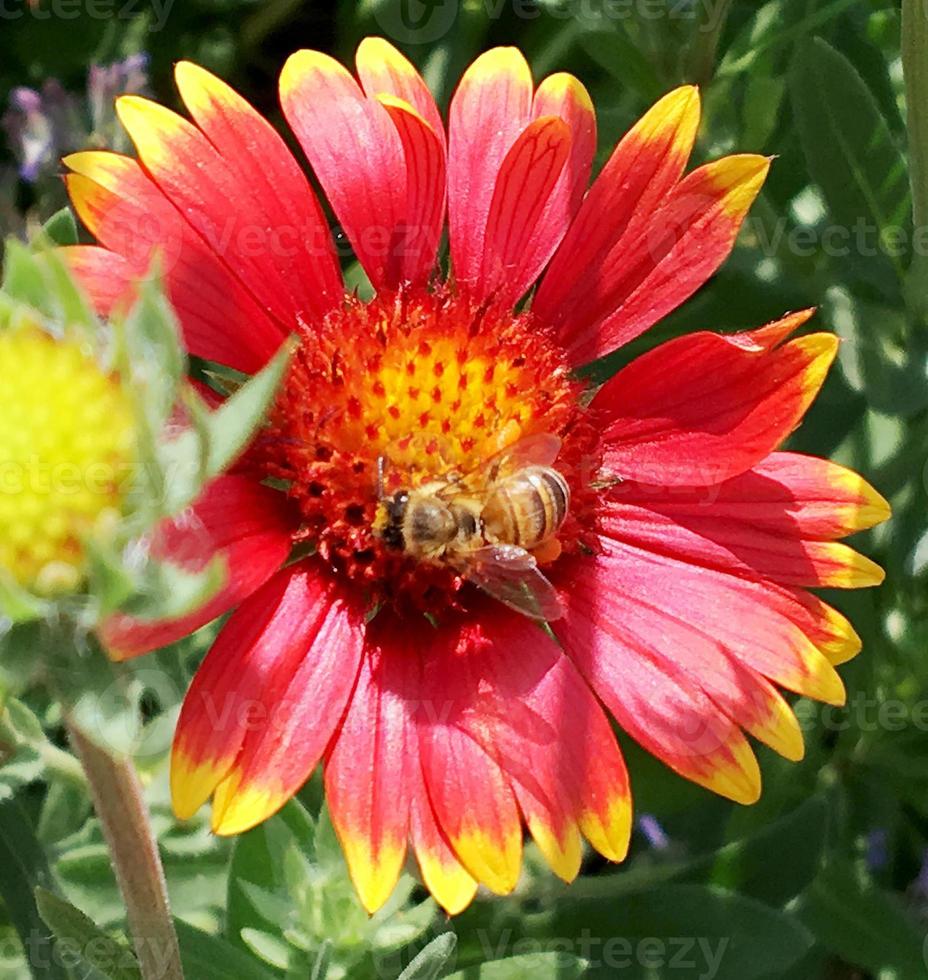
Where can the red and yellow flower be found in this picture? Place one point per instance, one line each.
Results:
(444, 719)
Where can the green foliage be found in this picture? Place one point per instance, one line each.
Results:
(92, 947)
(853, 159)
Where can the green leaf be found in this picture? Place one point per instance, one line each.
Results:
(18, 666)
(614, 51)
(762, 98)
(429, 963)
(879, 357)
(772, 27)
(863, 924)
(742, 865)
(228, 430)
(64, 812)
(25, 869)
(16, 603)
(853, 159)
(61, 228)
(798, 840)
(267, 947)
(110, 582)
(21, 767)
(155, 358)
(23, 279)
(258, 893)
(21, 762)
(322, 961)
(79, 935)
(562, 966)
(206, 957)
(170, 591)
(672, 931)
(72, 308)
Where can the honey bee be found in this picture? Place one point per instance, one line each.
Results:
(486, 525)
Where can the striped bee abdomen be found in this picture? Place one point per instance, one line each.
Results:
(527, 508)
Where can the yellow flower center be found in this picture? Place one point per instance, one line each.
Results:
(67, 447)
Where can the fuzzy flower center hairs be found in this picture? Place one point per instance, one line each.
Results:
(450, 558)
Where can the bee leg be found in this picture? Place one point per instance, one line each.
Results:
(547, 551)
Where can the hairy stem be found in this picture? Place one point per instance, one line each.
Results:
(117, 798)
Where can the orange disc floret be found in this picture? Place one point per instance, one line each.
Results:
(421, 385)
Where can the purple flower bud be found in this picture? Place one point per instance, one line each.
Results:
(105, 83)
(44, 125)
(25, 100)
(653, 832)
(29, 131)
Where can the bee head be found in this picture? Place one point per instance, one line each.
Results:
(388, 521)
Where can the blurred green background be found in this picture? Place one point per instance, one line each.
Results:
(828, 875)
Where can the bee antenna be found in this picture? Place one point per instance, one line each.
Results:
(381, 470)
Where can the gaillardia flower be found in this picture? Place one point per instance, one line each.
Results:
(445, 718)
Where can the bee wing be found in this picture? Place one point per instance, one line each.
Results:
(511, 575)
(540, 449)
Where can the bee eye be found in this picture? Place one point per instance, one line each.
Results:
(397, 505)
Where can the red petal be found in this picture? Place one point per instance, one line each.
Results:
(245, 523)
(129, 215)
(266, 700)
(611, 632)
(473, 804)
(829, 630)
(105, 276)
(717, 542)
(564, 96)
(491, 107)
(279, 199)
(758, 623)
(703, 408)
(384, 70)
(357, 155)
(424, 155)
(522, 231)
(640, 174)
(369, 771)
(444, 875)
(785, 494)
(532, 711)
(207, 191)
(669, 255)
(510, 689)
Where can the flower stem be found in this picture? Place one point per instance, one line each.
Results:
(915, 65)
(705, 44)
(117, 798)
(915, 70)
